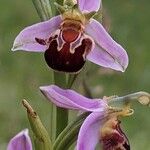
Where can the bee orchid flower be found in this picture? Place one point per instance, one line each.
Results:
(69, 39)
(101, 126)
(21, 141)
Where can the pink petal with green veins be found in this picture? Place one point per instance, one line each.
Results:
(89, 5)
(26, 38)
(21, 141)
(107, 52)
(72, 100)
(89, 134)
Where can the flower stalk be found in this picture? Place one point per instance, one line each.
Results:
(61, 114)
(42, 140)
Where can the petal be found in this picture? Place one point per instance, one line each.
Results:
(21, 141)
(89, 5)
(72, 100)
(26, 38)
(89, 132)
(107, 52)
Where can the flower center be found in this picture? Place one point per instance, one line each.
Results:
(71, 30)
(67, 47)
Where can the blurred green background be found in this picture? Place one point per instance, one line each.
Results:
(22, 73)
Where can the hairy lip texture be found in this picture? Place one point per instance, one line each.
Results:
(114, 138)
(63, 60)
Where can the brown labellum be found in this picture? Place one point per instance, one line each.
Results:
(67, 47)
(112, 136)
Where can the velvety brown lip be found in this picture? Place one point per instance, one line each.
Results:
(116, 139)
(63, 60)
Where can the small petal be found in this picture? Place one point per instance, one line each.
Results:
(89, 132)
(26, 38)
(89, 5)
(107, 52)
(21, 141)
(71, 100)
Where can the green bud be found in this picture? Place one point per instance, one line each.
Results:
(42, 140)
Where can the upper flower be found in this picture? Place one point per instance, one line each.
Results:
(21, 141)
(101, 126)
(69, 39)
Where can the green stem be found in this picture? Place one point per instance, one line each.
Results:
(61, 114)
(43, 8)
(69, 134)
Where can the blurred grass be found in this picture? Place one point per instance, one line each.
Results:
(22, 73)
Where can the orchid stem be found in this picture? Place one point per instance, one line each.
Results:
(61, 114)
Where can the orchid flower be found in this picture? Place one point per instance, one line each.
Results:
(21, 141)
(69, 39)
(101, 126)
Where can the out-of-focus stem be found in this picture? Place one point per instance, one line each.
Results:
(43, 8)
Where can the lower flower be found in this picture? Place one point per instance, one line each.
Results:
(102, 125)
(103, 129)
